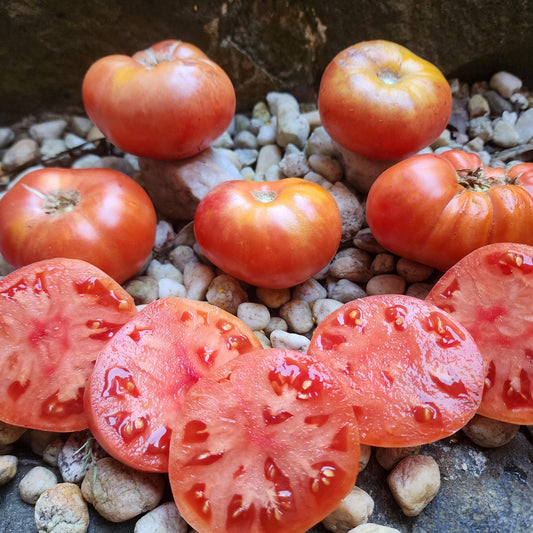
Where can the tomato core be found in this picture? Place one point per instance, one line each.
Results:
(388, 76)
(265, 196)
(61, 201)
(478, 180)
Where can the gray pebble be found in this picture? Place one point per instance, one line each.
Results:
(326, 166)
(320, 142)
(245, 139)
(51, 129)
(223, 141)
(383, 263)
(412, 271)
(309, 291)
(8, 468)
(298, 316)
(352, 264)
(143, 289)
(277, 99)
(352, 212)
(81, 125)
(52, 147)
(181, 256)
(480, 127)
(170, 287)
(364, 240)
(88, 161)
(345, 290)
(524, 126)
(323, 307)
(72, 460)
(294, 164)
(386, 284)
(275, 323)
(498, 104)
(163, 519)
(35, 482)
(7, 136)
(20, 153)
(119, 164)
(74, 141)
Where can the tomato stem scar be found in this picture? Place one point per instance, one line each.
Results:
(388, 76)
(265, 196)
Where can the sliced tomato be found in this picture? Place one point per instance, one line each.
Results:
(139, 381)
(490, 292)
(416, 372)
(269, 443)
(55, 316)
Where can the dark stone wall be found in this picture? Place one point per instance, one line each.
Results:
(47, 45)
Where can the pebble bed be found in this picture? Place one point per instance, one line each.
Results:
(279, 138)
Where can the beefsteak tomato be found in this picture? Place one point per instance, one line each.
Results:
(270, 234)
(169, 101)
(267, 443)
(55, 316)
(417, 374)
(136, 391)
(378, 99)
(98, 215)
(435, 210)
(490, 292)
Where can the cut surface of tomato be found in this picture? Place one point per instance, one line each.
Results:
(140, 378)
(490, 292)
(268, 443)
(55, 316)
(416, 372)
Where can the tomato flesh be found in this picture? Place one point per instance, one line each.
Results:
(55, 316)
(490, 292)
(137, 387)
(416, 373)
(268, 443)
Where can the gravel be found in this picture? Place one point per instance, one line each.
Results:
(279, 138)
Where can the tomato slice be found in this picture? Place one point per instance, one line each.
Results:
(416, 372)
(490, 291)
(139, 381)
(55, 316)
(269, 443)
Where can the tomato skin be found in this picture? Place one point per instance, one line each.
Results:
(275, 234)
(490, 292)
(169, 101)
(137, 387)
(278, 454)
(378, 99)
(55, 316)
(106, 219)
(418, 209)
(416, 373)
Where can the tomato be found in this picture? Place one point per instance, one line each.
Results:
(416, 372)
(277, 454)
(270, 234)
(98, 215)
(490, 292)
(169, 101)
(378, 99)
(55, 316)
(140, 378)
(427, 210)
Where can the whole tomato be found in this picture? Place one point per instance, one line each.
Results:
(435, 209)
(98, 215)
(169, 101)
(271, 234)
(380, 100)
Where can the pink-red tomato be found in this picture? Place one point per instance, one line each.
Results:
(490, 292)
(268, 443)
(380, 100)
(416, 373)
(169, 101)
(270, 234)
(435, 210)
(98, 215)
(137, 388)
(55, 317)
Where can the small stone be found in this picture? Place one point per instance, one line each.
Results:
(268, 155)
(52, 451)
(51, 129)
(35, 482)
(163, 519)
(256, 316)
(20, 153)
(275, 322)
(384, 263)
(74, 141)
(226, 292)
(490, 433)
(418, 290)
(520, 101)
(294, 164)
(291, 126)
(262, 338)
(289, 341)
(498, 104)
(247, 156)
(266, 134)
(386, 284)
(326, 166)
(8, 468)
(504, 134)
(143, 289)
(345, 290)
(323, 307)
(368, 527)
(298, 316)
(223, 141)
(71, 462)
(7, 136)
(159, 271)
(10, 433)
(261, 111)
(388, 458)
(480, 127)
(412, 271)
(320, 142)
(364, 240)
(442, 140)
(181, 256)
(475, 145)
(524, 126)
(81, 125)
(313, 117)
(353, 510)
(61, 508)
(351, 264)
(245, 139)
(277, 99)
(478, 106)
(52, 147)
(197, 277)
(120, 164)
(94, 134)
(88, 161)
(170, 287)
(505, 83)
(309, 291)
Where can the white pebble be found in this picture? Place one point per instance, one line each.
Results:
(163, 519)
(269, 155)
(74, 141)
(35, 482)
(196, 278)
(182, 255)
(524, 126)
(294, 164)
(504, 134)
(170, 287)
(324, 307)
(505, 83)
(289, 341)
(353, 510)
(276, 322)
(255, 316)
(51, 129)
(160, 271)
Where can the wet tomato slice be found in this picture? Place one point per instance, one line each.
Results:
(268, 443)
(137, 388)
(416, 372)
(55, 316)
(490, 292)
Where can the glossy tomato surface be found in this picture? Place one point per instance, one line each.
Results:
(55, 316)
(269, 443)
(169, 101)
(416, 372)
(137, 388)
(380, 100)
(270, 234)
(490, 292)
(98, 215)
(431, 209)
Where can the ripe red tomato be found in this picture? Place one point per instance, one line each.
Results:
(55, 316)
(169, 101)
(99, 215)
(137, 388)
(416, 372)
(270, 234)
(428, 210)
(490, 292)
(277, 453)
(380, 100)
